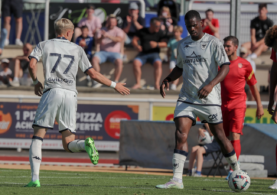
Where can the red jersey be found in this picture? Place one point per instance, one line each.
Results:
(207, 29)
(273, 56)
(232, 87)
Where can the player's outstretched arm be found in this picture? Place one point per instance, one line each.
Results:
(119, 87)
(256, 94)
(222, 73)
(33, 74)
(175, 74)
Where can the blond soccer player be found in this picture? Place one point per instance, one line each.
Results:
(61, 59)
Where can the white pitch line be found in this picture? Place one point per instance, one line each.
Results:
(45, 177)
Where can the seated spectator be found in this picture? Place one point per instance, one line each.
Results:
(108, 47)
(172, 52)
(259, 26)
(92, 22)
(167, 22)
(21, 64)
(85, 41)
(15, 8)
(151, 39)
(211, 24)
(132, 23)
(6, 73)
(198, 151)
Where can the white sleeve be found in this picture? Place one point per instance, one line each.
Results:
(220, 55)
(84, 63)
(36, 53)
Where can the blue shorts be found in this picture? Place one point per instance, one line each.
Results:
(150, 58)
(105, 56)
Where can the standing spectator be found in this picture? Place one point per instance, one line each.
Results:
(172, 52)
(211, 24)
(271, 41)
(92, 22)
(6, 73)
(259, 26)
(21, 64)
(167, 21)
(132, 23)
(108, 46)
(151, 39)
(3, 39)
(14, 7)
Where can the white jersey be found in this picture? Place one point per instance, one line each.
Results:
(61, 59)
(200, 61)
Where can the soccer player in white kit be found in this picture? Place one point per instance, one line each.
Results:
(61, 60)
(198, 59)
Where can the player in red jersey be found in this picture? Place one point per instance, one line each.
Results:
(233, 94)
(271, 41)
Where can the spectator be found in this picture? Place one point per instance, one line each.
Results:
(3, 39)
(92, 22)
(151, 39)
(172, 52)
(259, 26)
(132, 23)
(14, 7)
(198, 151)
(85, 41)
(6, 73)
(21, 64)
(165, 17)
(211, 24)
(108, 47)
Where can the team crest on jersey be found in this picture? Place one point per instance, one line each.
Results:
(240, 65)
(204, 44)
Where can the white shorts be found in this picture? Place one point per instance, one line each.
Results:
(172, 64)
(207, 113)
(60, 105)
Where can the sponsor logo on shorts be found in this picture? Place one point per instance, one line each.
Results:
(60, 80)
(212, 117)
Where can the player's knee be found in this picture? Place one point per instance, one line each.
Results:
(181, 137)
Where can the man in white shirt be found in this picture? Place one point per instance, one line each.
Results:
(61, 60)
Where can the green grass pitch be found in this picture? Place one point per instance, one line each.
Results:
(60, 182)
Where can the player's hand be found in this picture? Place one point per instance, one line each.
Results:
(121, 89)
(39, 89)
(165, 84)
(153, 44)
(259, 112)
(269, 107)
(205, 91)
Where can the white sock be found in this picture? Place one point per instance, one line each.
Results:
(178, 162)
(76, 146)
(35, 156)
(15, 79)
(231, 158)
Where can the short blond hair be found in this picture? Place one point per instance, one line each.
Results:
(63, 24)
(178, 28)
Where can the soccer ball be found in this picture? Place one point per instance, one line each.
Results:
(239, 181)
(206, 139)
